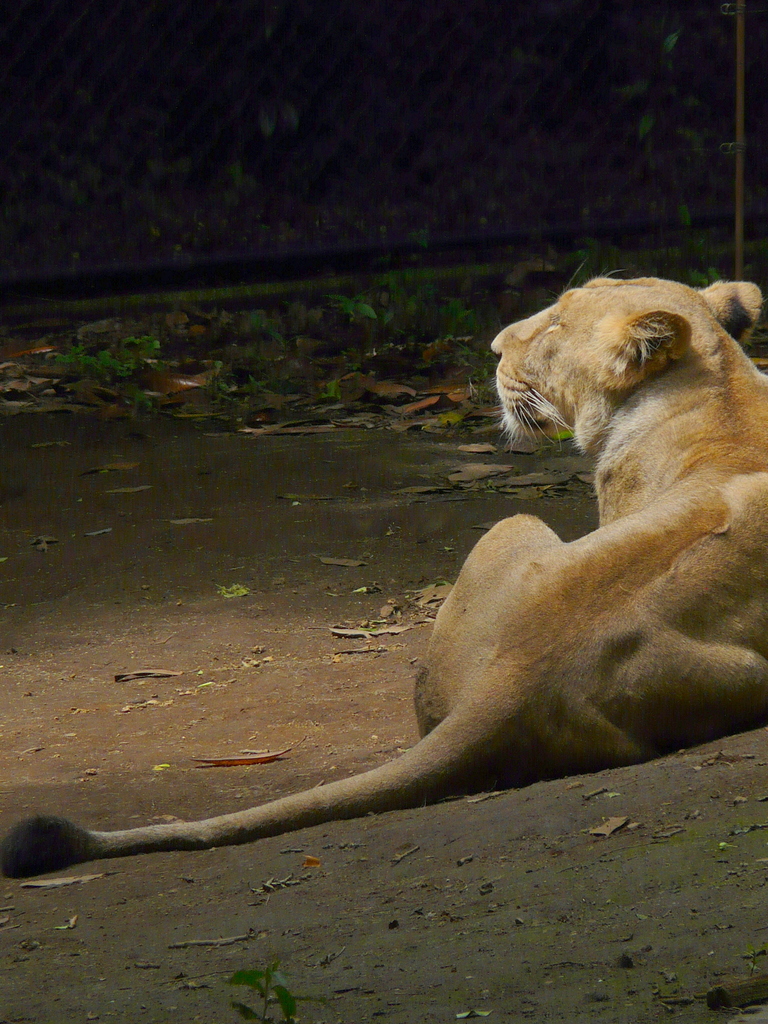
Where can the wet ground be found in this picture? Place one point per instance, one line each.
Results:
(507, 906)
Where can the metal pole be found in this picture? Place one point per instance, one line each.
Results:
(738, 247)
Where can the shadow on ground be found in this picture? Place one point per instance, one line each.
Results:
(504, 904)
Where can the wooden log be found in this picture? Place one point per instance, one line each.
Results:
(738, 991)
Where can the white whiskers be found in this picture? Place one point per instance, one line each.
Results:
(524, 411)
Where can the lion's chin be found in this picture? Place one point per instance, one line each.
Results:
(515, 429)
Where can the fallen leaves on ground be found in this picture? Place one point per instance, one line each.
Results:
(609, 826)
(70, 923)
(235, 590)
(46, 377)
(42, 543)
(110, 467)
(240, 759)
(58, 883)
(129, 490)
(477, 471)
(433, 595)
(478, 449)
(359, 631)
(350, 563)
(151, 702)
(147, 673)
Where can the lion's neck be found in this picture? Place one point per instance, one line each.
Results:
(675, 437)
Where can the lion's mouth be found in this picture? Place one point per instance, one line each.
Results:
(526, 409)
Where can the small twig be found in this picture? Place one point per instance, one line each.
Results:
(406, 853)
(213, 942)
(363, 650)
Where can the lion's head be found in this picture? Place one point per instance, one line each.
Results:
(572, 365)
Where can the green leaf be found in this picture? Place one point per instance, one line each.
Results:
(684, 214)
(670, 42)
(286, 1000)
(647, 121)
(277, 977)
(254, 979)
(246, 1011)
(363, 309)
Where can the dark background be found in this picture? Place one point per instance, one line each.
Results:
(135, 131)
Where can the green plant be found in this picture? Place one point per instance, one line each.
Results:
(117, 362)
(359, 314)
(261, 323)
(752, 953)
(271, 986)
(354, 308)
(331, 391)
(457, 319)
(219, 387)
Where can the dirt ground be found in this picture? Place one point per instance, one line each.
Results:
(505, 906)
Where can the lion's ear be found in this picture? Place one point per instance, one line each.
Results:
(647, 343)
(736, 306)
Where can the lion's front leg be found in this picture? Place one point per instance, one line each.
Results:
(469, 624)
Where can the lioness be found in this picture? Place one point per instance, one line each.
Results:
(548, 658)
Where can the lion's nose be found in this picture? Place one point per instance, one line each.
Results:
(497, 343)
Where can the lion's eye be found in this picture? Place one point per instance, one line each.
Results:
(555, 325)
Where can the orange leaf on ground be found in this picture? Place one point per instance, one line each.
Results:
(311, 862)
(244, 759)
(9, 352)
(386, 389)
(423, 403)
(165, 383)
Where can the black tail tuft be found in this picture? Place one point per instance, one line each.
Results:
(42, 844)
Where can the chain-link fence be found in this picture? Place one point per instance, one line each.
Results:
(138, 130)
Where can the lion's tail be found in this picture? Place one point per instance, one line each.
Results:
(448, 760)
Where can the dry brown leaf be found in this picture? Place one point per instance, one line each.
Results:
(176, 321)
(240, 759)
(351, 563)
(609, 826)
(316, 428)
(42, 542)
(360, 632)
(147, 673)
(424, 489)
(477, 471)
(311, 862)
(545, 478)
(478, 449)
(129, 490)
(386, 389)
(423, 403)
(153, 702)
(434, 594)
(110, 467)
(163, 382)
(9, 352)
(57, 883)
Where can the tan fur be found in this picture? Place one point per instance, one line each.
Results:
(548, 658)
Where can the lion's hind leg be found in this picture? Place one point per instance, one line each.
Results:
(476, 615)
